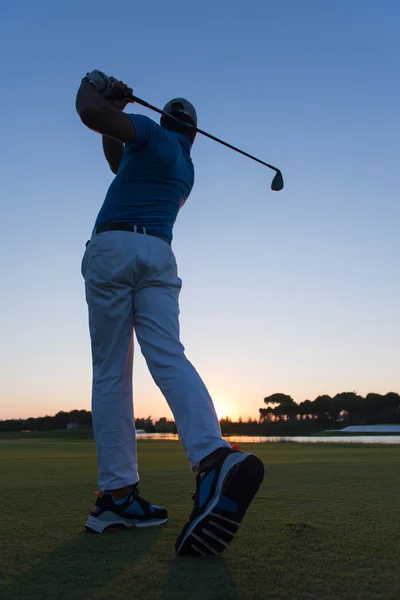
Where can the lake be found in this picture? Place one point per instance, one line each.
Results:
(314, 439)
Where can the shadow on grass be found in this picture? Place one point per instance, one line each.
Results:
(84, 565)
(199, 578)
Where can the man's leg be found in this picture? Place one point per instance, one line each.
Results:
(111, 329)
(157, 330)
(228, 479)
(108, 271)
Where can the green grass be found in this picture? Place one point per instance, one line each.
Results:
(325, 524)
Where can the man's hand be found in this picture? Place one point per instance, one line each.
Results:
(99, 103)
(118, 94)
(99, 80)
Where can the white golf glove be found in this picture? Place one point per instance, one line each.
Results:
(102, 82)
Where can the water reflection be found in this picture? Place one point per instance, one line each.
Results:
(315, 439)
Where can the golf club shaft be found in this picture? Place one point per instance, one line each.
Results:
(212, 137)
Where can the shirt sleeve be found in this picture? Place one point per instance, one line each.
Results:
(143, 127)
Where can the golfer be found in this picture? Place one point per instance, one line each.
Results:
(132, 284)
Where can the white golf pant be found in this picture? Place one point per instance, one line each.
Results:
(131, 283)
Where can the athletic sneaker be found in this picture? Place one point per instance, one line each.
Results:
(132, 511)
(224, 490)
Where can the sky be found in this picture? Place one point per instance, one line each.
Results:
(294, 292)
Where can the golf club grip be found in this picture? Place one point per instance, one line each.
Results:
(212, 137)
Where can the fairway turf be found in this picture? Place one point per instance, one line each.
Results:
(325, 524)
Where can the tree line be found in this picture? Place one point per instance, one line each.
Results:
(281, 415)
(82, 418)
(346, 408)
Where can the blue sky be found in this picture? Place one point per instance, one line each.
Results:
(295, 292)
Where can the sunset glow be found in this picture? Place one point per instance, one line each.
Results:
(281, 292)
(223, 408)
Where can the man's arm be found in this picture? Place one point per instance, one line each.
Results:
(113, 151)
(99, 115)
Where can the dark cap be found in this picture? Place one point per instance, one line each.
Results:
(180, 106)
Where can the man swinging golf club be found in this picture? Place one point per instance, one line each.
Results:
(131, 283)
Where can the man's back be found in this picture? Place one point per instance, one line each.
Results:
(154, 179)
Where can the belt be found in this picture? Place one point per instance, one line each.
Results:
(130, 227)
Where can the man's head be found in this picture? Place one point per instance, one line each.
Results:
(184, 111)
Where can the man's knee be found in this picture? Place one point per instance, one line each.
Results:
(166, 358)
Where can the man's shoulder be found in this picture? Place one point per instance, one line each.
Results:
(152, 127)
(142, 120)
(146, 130)
(152, 135)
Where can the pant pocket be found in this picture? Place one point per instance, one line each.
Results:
(84, 263)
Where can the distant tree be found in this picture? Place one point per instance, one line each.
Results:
(276, 399)
(11, 425)
(145, 424)
(165, 426)
(266, 414)
(305, 410)
(283, 406)
(373, 404)
(389, 409)
(290, 410)
(61, 420)
(83, 417)
(227, 426)
(325, 409)
(353, 405)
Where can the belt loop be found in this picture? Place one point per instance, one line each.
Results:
(144, 230)
(135, 229)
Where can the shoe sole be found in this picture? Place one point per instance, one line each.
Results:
(214, 529)
(114, 522)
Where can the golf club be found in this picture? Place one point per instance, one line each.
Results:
(277, 182)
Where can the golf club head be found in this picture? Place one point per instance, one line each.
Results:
(277, 182)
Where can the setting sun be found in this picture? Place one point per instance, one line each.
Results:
(223, 408)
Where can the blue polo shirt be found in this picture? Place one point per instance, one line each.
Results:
(154, 179)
